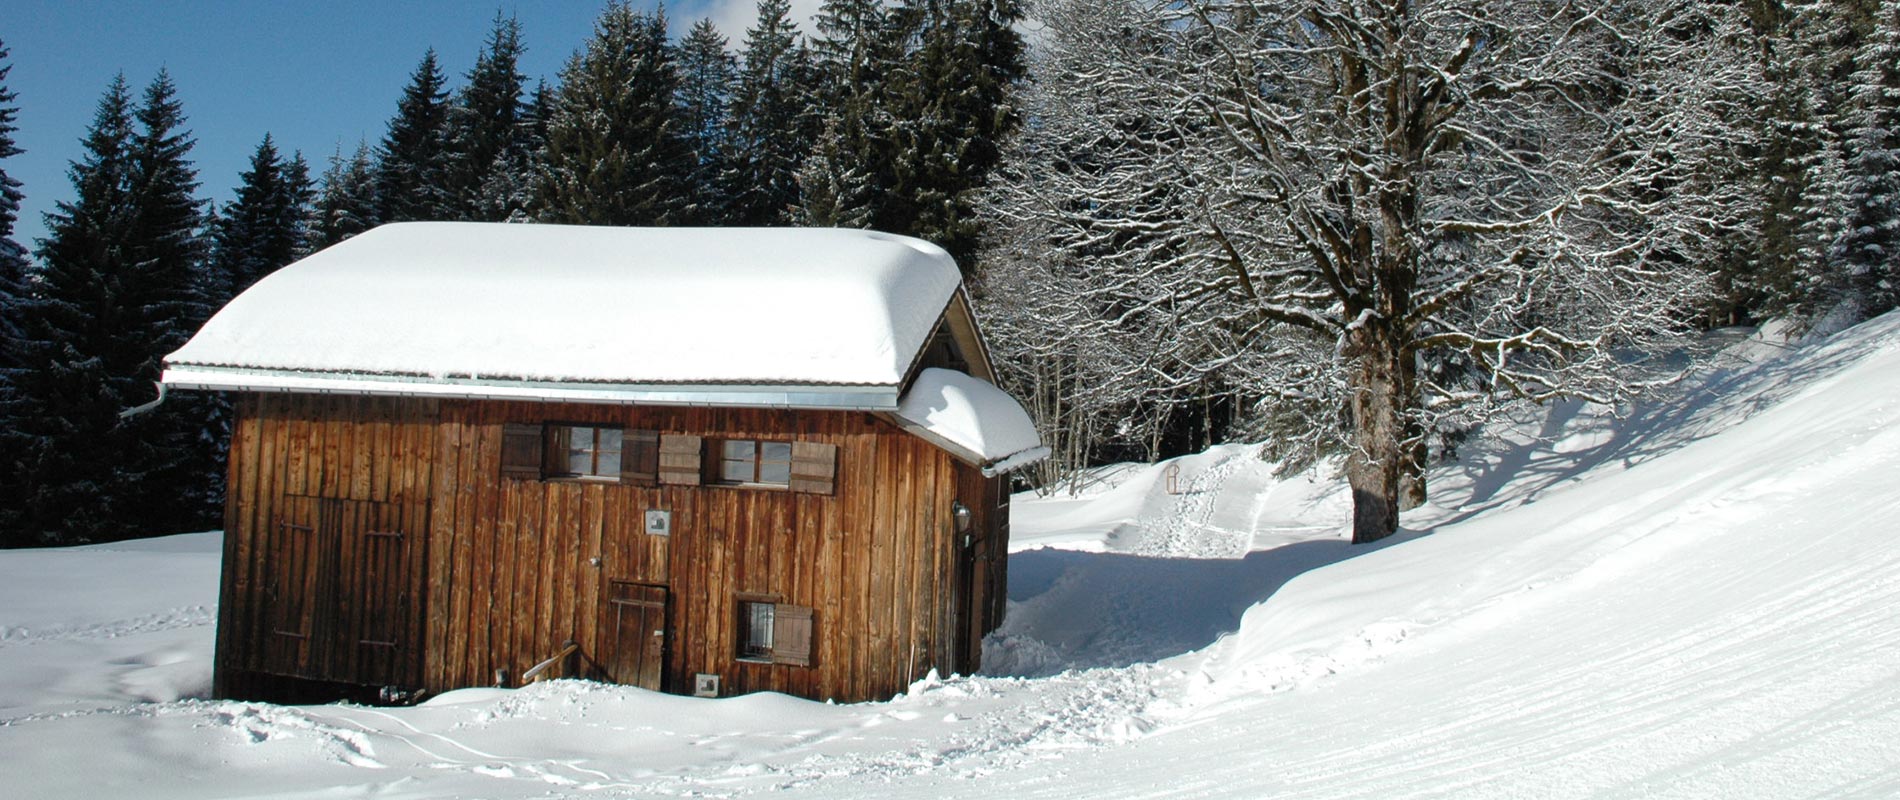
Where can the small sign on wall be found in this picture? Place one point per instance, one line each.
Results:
(659, 522)
(705, 685)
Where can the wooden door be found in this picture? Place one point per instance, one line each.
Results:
(295, 564)
(636, 634)
(342, 597)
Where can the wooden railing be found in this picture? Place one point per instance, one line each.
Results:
(534, 673)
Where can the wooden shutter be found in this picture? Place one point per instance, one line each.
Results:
(791, 635)
(679, 459)
(521, 451)
(640, 457)
(814, 467)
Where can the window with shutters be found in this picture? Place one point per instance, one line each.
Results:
(774, 632)
(559, 451)
(808, 467)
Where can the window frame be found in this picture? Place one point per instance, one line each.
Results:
(541, 452)
(719, 459)
(783, 647)
(556, 439)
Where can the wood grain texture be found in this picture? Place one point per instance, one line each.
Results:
(446, 572)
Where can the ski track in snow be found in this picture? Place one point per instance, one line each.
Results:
(173, 619)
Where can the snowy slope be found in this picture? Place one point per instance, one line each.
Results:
(1692, 600)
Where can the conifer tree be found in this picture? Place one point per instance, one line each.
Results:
(842, 180)
(413, 162)
(616, 154)
(488, 142)
(950, 112)
(121, 284)
(774, 120)
(12, 255)
(346, 203)
(266, 225)
(906, 151)
(13, 298)
(1866, 251)
(706, 77)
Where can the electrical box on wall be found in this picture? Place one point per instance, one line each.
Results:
(705, 685)
(659, 522)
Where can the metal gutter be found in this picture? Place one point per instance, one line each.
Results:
(817, 397)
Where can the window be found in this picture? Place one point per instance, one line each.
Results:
(578, 451)
(584, 452)
(758, 631)
(755, 462)
(774, 632)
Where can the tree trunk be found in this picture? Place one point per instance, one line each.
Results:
(1412, 466)
(1377, 404)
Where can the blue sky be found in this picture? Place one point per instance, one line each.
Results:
(315, 75)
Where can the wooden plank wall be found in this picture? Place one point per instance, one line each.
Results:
(372, 458)
(513, 568)
(512, 573)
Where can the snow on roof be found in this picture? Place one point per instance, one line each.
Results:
(557, 312)
(972, 419)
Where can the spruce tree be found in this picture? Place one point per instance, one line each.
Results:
(774, 120)
(488, 141)
(13, 299)
(346, 203)
(842, 181)
(616, 154)
(1866, 252)
(951, 111)
(413, 162)
(706, 76)
(266, 225)
(120, 285)
(12, 255)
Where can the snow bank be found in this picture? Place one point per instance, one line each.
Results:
(494, 303)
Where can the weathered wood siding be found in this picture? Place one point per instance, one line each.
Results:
(510, 569)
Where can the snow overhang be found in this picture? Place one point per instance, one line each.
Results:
(572, 312)
(972, 420)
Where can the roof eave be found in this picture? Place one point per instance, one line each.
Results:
(853, 397)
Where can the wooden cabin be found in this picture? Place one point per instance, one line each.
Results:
(698, 461)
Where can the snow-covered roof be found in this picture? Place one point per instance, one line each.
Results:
(785, 316)
(972, 419)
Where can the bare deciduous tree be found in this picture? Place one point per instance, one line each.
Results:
(1386, 213)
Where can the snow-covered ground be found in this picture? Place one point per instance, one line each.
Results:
(1696, 599)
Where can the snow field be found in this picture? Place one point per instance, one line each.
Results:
(1688, 599)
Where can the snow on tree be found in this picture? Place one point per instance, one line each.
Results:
(346, 202)
(1865, 255)
(706, 76)
(13, 261)
(488, 142)
(615, 152)
(775, 120)
(1317, 198)
(413, 162)
(919, 101)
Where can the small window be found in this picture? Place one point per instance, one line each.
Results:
(757, 642)
(755, 462)
(778, 633)
(579, 451)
